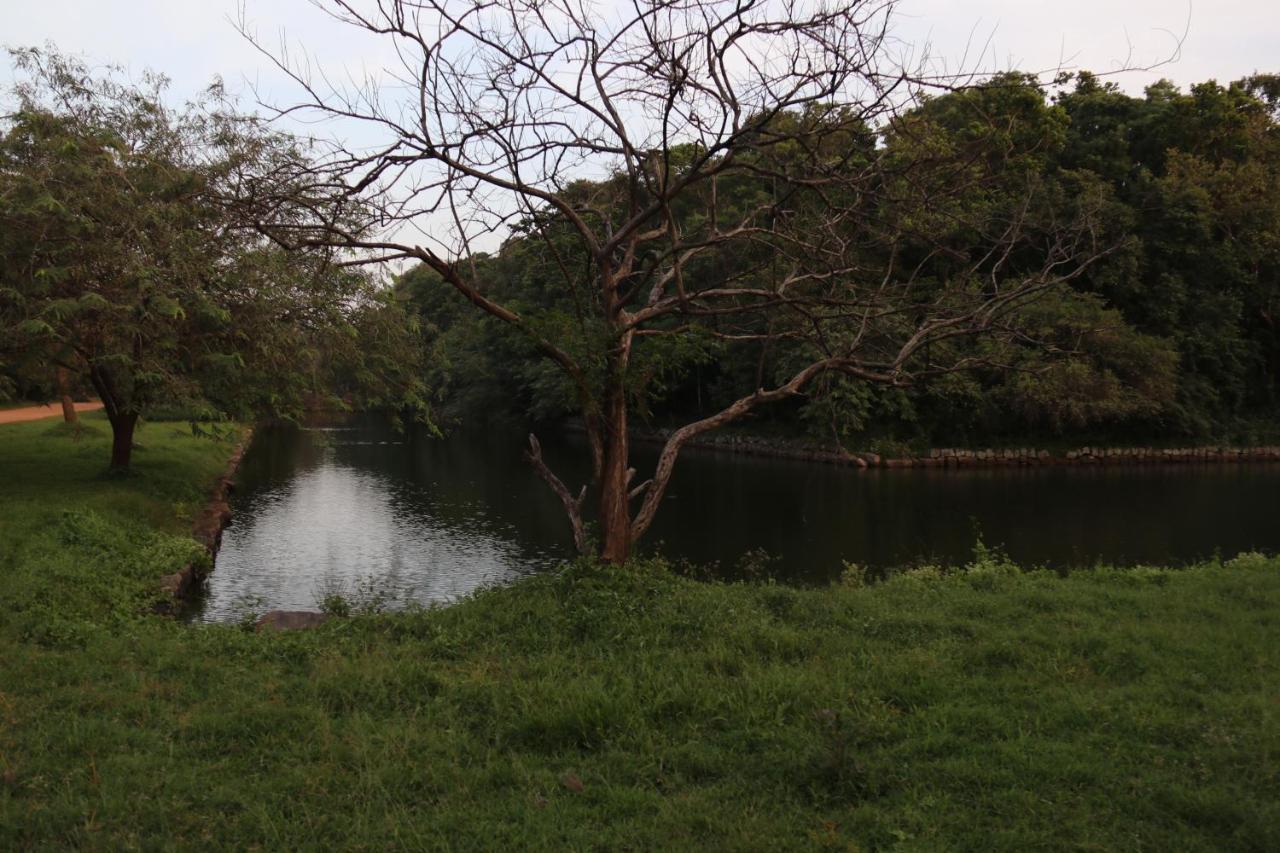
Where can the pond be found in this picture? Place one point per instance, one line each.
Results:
(357, 508)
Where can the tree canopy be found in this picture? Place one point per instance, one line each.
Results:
(128, 256)
(1170, 335)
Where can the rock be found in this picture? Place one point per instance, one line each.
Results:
(178, 584)
(208, 527)
(289, 620)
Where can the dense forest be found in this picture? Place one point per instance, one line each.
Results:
(1171, 335)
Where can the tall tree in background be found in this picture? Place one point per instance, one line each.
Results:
(125, 261)
(1199, 173)
(744, 173)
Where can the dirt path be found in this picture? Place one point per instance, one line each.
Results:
(35, 413)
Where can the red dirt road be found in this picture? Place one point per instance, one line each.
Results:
(35, 413)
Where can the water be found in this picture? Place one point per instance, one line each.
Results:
(332, 508)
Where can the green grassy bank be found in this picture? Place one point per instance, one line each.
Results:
(607, 709)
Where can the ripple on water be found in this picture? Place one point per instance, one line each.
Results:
(430, 520)
(335, 527)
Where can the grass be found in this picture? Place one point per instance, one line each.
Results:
(597, 708)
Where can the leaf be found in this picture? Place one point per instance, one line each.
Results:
(94, 301)
(60, 309)
(52, 274)
(167, 307)
(35, 327)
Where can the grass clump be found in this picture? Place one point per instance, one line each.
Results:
(600, 708)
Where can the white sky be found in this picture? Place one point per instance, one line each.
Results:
(193, 40)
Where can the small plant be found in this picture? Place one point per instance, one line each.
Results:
(854, 576)
(756, 565)
(335, 604)
(368, 595)
(247, 609)
(989, 566)
(373, 595)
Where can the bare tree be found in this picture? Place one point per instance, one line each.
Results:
(615, 134)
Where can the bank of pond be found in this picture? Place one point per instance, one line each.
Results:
(351, 502)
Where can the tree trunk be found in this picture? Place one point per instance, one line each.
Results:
(122, 426)
(615, 509)
(122, 420)
(69, 414)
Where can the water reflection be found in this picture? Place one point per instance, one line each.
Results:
(333, 505)
(330, 509)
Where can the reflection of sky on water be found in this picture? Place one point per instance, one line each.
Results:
(334, 527)
(429, 520)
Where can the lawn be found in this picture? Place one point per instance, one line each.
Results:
(598, 708)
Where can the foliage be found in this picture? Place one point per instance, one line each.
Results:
(1198, 173)
(1172, 335)
(127, 259)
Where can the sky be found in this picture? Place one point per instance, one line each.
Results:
(192, 41)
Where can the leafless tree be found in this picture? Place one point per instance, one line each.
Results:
(497, 112)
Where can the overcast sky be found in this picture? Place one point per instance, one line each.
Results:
(193, 40)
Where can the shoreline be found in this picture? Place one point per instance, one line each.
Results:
(967, 458)
(207, 529)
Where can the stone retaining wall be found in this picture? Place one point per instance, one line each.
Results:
(207, 530)
(957, 458)
(991, 458)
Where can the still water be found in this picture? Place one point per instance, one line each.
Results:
(334, 508)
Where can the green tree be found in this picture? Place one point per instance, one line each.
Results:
(987, 145)
(1197, 171)
(127, 256)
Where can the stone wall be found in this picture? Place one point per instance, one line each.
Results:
(959, 458)
(966, 458)
(207, 530)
